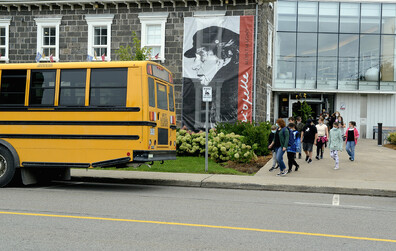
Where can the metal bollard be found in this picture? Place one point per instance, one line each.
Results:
(380, 134)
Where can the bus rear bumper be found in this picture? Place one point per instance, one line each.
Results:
(148, 156)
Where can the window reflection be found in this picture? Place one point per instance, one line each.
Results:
(306, 60)
(307, 16)
(328, 17)
(370, 20)
(327, 61)
(348, 61)
(388, 62)
(349, 17)
(369, 62)
(286, 57)
(287, 16)
(388, 18)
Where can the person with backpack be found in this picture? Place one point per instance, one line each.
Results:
(280, 144)
(309, 136)
(293, 148)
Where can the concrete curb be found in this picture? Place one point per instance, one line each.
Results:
(243, 186)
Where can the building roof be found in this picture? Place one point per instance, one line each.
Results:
(95, 4)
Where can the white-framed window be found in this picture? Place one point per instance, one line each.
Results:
(48, 37)
(269, 47)
(153, 33)
(4, 38)
(99, 36)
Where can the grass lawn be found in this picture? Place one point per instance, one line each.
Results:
(183, 165)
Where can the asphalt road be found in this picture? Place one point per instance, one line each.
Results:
(92, 216)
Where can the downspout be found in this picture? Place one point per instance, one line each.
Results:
(255, 64)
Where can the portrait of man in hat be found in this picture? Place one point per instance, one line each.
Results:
(213, 60)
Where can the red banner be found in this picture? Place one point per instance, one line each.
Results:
(245, 76)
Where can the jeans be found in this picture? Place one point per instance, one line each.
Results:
(279, 158)
(274, 162)
(350, 148)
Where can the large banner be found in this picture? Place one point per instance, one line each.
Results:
(218, 52)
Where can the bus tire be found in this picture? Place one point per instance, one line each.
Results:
(7, 167)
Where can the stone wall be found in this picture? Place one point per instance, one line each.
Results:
(74, 31)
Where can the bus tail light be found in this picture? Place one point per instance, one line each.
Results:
(172, 120)
(153, 116)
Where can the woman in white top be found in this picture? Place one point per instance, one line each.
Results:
(323, 135)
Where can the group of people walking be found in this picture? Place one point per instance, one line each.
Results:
(289, 139)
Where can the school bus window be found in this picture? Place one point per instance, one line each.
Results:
(72, 87)
(171, 104)
(42, 87)
(162, 97)
(151, 92)
(108, 87)
(13, 85)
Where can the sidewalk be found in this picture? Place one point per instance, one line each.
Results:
(372, 173)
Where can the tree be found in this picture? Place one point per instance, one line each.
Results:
(305, 111)
(134, 53)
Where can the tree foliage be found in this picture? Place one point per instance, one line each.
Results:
(134, 53)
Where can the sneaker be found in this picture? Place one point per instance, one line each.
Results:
(309, 161)
(284, 173)
(296, 168)
(279, 174)
(299, 156)
(336, 168)
(350, 158)
(289, 171)
(271, 169)
(317, 157)
(306, 158)
(321, 156)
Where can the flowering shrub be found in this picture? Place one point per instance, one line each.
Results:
(392, 138)
(253, 133)
(221, 147)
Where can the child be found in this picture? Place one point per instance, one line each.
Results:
(335, 143)
(299, 127)
(270, 139)
(351, 136)
(293, 149)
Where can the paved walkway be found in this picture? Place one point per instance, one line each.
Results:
(372, 173)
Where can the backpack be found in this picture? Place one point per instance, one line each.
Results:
(291, 136)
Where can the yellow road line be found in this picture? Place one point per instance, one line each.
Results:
(200, 225)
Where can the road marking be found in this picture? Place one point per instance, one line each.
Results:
(329, 205)
(336, 200)
(200, 225)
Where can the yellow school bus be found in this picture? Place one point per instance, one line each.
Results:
(54, 116)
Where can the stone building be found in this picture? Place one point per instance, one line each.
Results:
(71, 30)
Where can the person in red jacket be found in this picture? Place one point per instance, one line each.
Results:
(351, 136)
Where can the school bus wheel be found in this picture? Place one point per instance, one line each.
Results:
(7, 167)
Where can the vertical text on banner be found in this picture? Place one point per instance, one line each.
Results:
(245, 75)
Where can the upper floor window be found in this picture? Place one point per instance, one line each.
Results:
(4, 38)
(153, 33)
(48, 38)
(99, 36)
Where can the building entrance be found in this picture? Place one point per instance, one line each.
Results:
(290, 104)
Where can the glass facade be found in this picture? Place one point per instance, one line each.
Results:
(335, 46)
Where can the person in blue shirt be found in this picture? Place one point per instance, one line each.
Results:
(293, 149)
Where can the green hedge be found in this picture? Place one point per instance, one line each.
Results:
(254, 134)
